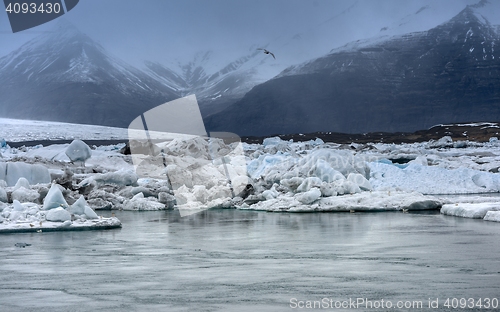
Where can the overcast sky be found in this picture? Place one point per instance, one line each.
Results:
(165, 30)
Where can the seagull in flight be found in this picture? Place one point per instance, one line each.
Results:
(267, 52)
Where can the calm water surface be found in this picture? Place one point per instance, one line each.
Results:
(229, 260)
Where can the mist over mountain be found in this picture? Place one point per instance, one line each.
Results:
(66, 76)
(449, 73)
(216, 87)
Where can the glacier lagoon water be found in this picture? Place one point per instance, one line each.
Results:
(229, 260)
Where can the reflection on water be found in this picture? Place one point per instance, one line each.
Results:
(250, 261)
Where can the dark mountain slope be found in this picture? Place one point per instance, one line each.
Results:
(450, 73)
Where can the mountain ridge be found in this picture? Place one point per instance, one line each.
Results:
(403, 83)
(65, 75)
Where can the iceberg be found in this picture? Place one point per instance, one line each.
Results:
(11, 172)
(309, 183)
(467, 210)
(197, 172)
(432, 179)
(364, 201)
(28, 217)
(309, 196)
(22, 182)
(121, 177)
(78, 207)
(492, 216)
(78, 151)
(81, 208)
(54, 198)
(360, 181)
(58, 215)
(3, 195)
(90, 213)
(140, 203)
(25, 195)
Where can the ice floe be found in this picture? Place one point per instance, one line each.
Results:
(30, 217)
(365, 201)
(492, 216)
(471, 210)
(196, 173)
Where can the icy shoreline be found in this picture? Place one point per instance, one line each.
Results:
(194, 174)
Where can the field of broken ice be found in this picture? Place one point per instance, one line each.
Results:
(63, 186)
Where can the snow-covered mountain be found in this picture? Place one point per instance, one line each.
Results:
(218, 84)
(407, 82)
(215, 81)
(64, 75)
(217, 89)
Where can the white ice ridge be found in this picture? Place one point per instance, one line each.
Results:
(19, 130)
(432, 179)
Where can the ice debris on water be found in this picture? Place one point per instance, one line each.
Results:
(277, 175)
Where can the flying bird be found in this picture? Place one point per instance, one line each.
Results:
(267, 52)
